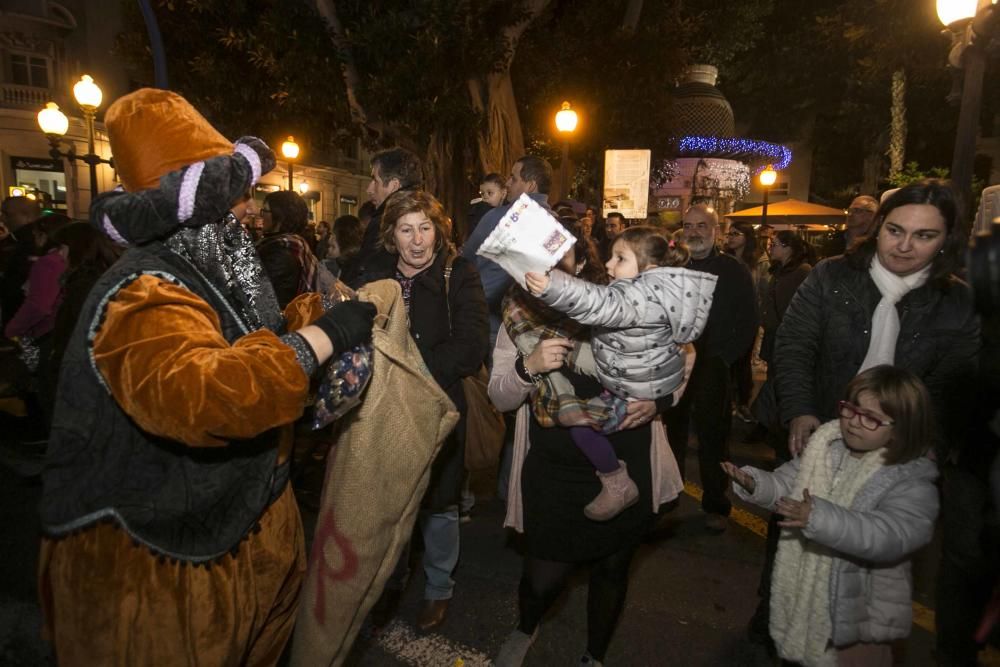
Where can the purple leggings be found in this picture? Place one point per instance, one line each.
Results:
(596, 447)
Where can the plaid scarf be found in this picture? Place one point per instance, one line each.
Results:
(314, 277)
(528, 322)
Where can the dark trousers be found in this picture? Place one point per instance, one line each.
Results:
(706, 402)
(968, 568)
(743, 377)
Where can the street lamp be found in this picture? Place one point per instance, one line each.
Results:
(290, 150)
(54, 124)
(972, 23)
(767, 179)
(303, 188)
(566, 120)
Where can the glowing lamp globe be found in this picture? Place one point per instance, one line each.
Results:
(566, 119)
(303, 187)
(951, 11)
(52, 121)
(768, 177)
(290, 149)
(87, 93)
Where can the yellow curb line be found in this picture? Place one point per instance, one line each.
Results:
(923, 617)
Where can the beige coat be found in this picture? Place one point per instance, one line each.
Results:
(509, 392)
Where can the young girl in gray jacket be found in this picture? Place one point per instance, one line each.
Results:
(639, 321)
(856, 504)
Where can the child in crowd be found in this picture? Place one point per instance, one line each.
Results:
(841, 592)
(492, 189)
(640, 320)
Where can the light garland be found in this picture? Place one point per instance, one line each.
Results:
(734, 147)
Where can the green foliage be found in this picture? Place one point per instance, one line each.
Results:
(261, 67)
(823, 74)
(911, 173)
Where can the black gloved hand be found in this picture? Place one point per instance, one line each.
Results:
(347, 324)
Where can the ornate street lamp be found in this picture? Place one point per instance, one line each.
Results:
(54, 124)
(566, 120)
(767, 179)
(290, 150)
(973, 23)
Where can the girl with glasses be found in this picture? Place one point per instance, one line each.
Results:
(855, 506)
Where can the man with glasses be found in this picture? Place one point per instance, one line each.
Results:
(732, 325)
(860, 217)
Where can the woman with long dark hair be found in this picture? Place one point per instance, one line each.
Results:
(284, 252)
(789, 267)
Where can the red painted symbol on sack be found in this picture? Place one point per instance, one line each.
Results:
(326, 532)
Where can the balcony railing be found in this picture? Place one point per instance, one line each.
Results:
(23, 97)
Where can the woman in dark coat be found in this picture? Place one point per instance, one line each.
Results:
(893, 299)
(286, 256)
(789, 267)
(451, 330)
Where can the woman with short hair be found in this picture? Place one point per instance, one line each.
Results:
(448, 322)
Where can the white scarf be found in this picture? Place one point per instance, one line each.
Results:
(885, 319)
(801, 625)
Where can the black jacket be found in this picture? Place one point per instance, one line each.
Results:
(824, 335)
(732, 321)
(370, 253)
(780, 290)
(282, 267)
(450, 352)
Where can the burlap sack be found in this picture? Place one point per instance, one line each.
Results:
(376, 476)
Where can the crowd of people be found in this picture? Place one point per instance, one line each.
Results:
(173, 342)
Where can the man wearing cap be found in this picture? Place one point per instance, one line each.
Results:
(171, 535)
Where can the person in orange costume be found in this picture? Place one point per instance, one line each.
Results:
(171, 536)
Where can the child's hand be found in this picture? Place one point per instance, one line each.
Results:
(796, 513)
(743, 479)
(537, 282)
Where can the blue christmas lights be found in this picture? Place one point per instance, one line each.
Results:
(776, 155)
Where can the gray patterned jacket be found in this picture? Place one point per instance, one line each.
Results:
(639, 325)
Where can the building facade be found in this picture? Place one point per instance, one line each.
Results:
(45, 47)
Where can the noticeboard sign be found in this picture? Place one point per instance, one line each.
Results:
(626, 182)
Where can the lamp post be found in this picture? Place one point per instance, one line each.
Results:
(290, 150)
(972, 24)
(54, 124)
(767, 179)
(566, 120)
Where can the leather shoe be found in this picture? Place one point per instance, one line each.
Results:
(432, 614)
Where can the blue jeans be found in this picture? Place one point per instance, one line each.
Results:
(441, 549)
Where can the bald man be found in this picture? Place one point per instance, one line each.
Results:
(729, 333)
(860, 219)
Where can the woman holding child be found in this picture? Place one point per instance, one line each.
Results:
(545, 369)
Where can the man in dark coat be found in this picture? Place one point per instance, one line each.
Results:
(732, 325)
(529, 175)
(392, 169)
(860, 216)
